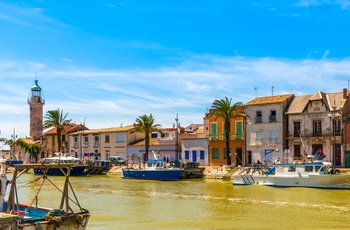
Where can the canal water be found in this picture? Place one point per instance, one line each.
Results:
(117, 203)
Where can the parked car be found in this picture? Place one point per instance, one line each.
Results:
(117, 160)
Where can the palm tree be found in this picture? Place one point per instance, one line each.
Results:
(145, 124)
(55, 118)
(226, 111)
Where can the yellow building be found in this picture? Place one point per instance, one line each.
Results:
(215, 130)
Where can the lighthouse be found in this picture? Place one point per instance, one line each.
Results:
(36, 102)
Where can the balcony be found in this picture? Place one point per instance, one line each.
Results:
(75, 144)
(85, 144)
(258, 120)
(272, 118)
(95, 143)
(310, 134)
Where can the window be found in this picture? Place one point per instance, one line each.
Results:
(239, 130)
(215, 155)
(187, 154)
(258, 118)
(86, 141)
(272, 116)
(201, 154)
(296, 129)
(213, 132)
(258, 138)
(273, 137)
(317, 128)
(291, 168)
(63, 138)
(75, 142)
(106, 138)
(120, 137)
(96, 140)
(154, 135)
(308, 168)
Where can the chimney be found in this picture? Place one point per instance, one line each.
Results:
(345, 93)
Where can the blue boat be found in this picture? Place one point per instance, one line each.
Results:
(156, 169)
(78, 168)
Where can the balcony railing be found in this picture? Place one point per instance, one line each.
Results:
(272, 118)
(258, 120)
(85, 143)
(96, 143)
(75, 144)
(312, 134)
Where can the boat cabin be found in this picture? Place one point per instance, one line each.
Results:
(316, 167)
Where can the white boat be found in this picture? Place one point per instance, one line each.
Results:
(312, 174)
(17, 215)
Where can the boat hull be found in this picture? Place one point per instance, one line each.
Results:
(166, 174)
(333, 181)
(32, 218)
(76, 170)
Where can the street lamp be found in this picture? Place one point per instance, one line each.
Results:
(333, 116)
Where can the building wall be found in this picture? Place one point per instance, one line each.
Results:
(194, 148)
(266, 148)
(217, 142)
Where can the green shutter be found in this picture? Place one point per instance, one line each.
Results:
(239, 130)
(213, 131)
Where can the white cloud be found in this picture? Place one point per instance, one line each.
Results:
(29, 17)
(108, 97)
(344, 4)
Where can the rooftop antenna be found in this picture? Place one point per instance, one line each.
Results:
(256, 89)
(272, 89)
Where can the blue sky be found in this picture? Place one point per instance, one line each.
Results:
(108, 61)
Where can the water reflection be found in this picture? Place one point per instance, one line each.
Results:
(198, 204)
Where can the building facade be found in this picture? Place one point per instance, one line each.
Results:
(316, 122)
(215, 130)
(100, 144)
(266, 128)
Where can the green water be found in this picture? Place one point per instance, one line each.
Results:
(116, 203)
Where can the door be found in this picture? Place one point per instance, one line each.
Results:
(239, 156)
(194, 155)
(347, 159)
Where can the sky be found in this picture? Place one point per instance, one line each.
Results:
(107, 62)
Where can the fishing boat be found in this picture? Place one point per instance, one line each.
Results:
(78, 168)
(312, 174)
(154, 169)
(17, 215)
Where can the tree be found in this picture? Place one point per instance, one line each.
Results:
(145, 124)
(55, 118)
(226, 111)
(34, 150)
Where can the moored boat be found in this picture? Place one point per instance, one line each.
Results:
(16, 215)
(78, 168)
(311, 174)
(155, 169)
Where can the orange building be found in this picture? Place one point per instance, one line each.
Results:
(214, 128)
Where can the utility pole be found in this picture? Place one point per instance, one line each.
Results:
(14, 136)
(177, 125)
